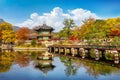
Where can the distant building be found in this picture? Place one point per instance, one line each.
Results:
(44, 32)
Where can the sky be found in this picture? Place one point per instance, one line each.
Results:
(31, 13)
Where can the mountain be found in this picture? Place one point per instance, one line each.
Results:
(15, 27)
(1, 20)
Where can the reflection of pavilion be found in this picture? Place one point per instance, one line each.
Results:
(45, 66)
(45, 56)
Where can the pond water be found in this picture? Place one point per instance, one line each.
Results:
(25, 67)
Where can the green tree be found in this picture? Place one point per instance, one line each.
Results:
(63, 33)
(68, 23)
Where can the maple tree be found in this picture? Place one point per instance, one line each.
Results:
(23, 33)
(114, 33)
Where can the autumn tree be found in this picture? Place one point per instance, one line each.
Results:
(6, 26)
(0, 36)
(7, 34)
(84, 30)
(114, 33)
(23, 33)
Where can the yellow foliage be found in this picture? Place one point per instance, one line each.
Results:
(8, 36)
(6, 26)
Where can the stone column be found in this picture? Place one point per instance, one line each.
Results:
(97, 56)
(73, 51)
(59, 50)
(116, 57)
(50, 49)
(83, 53)
(65, 51)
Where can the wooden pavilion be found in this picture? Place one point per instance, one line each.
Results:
(44, 32)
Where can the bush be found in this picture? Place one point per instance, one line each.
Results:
(33, 43)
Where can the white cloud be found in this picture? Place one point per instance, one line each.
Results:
(56, 17)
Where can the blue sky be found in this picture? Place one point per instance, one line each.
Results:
(19, 11)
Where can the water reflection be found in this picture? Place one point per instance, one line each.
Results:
(66, 68)
(45, 66)
(93, 68)
(44, 62)
(22, 59)
(6, 61)
(71, 68)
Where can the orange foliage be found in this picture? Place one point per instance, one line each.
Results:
(0, 34)
(23, 33)
(73, 38)
(115, 33)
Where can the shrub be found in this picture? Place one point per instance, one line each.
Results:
(33, 42)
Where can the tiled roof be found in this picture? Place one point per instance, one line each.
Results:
(43, 27)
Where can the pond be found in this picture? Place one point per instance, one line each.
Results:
(25, 66)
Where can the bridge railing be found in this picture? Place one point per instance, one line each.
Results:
(109, 47)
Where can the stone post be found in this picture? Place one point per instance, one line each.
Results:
(83, 53)
(97, 54)
(50, 49)
(116, 57)
(59, 50)
(73, 51)
(65, 51)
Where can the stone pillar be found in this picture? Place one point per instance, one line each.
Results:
(97, 56)
(70, 52)
(50, 49)
(59, 50)
(83, 53)
(73, 51)
(116, 57)
(65, 51)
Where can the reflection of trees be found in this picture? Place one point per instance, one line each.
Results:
(33, 55)
(6, 60)
(71, 68)
(5, 66)
(22, 59)
(93, 68)
(96, 69)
